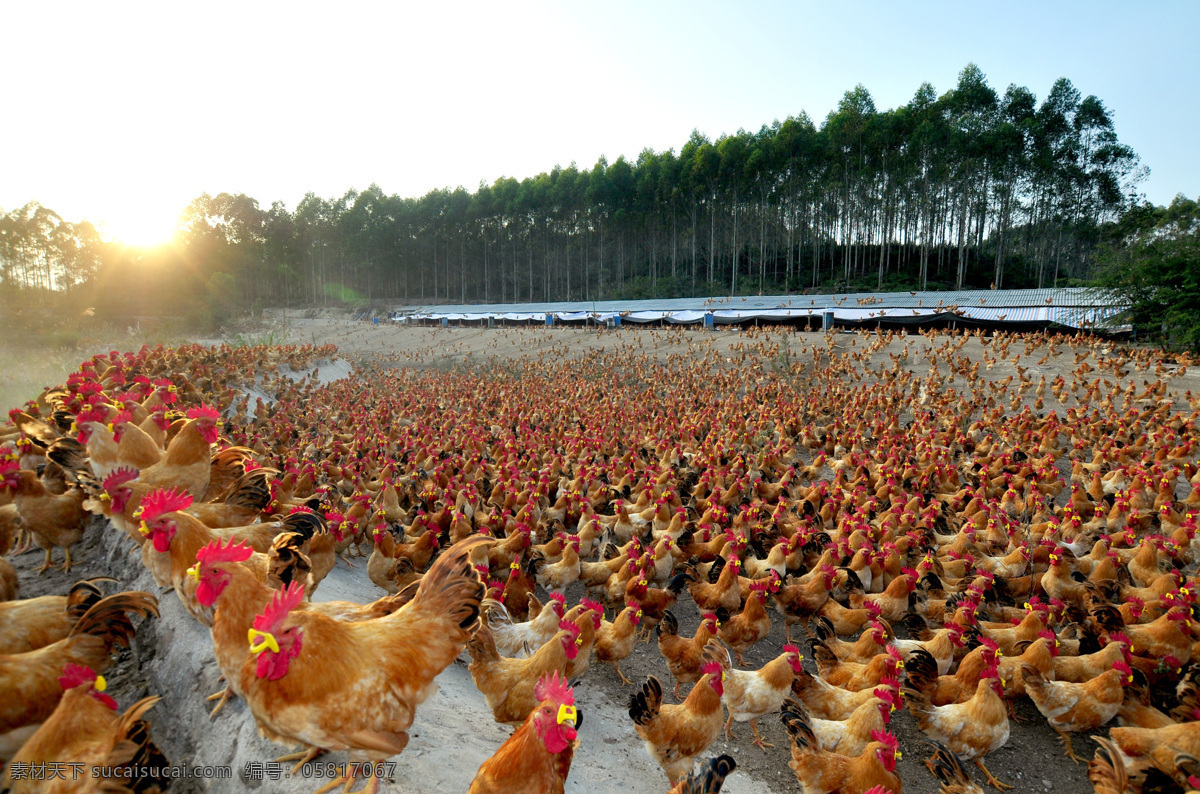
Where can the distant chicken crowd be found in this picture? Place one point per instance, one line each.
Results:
(944, 542)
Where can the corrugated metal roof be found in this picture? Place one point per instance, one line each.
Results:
(1074, 297)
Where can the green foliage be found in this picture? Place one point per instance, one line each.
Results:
(965, 188)
(1153, 263)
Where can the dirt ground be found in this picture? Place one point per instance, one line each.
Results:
(173, 657)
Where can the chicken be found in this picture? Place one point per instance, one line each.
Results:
(508, 684)
(654, 601)
(872, 642)
(942, 645)
(751, 694)
(615, 640)
(822, 772)
(320, 682)
(970, 730)
(37, 622)
(722, 591)
(847, 622)
(102, 748)
(1070, 707)
(186, 464)
(684, 655)
(54, 520)
(381, 565)
(229, 594)
(521, 640)
(1141, 749)
(537, 757)
(708, 778)
(853, 675)
(800, 601)
(851, 735)
(175, 537)
(749, 626)
(556, 577)
(893, 602)
(1084, 668)
(29, 689)
(675, 735)
(1169, 635)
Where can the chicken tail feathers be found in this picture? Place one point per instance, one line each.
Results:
(136, 750)
(947, 767)
(452, 587)
(669, 625)
(798, 728)
(921, 670)
(109, 618)
(793, 708)
(823, 628)
(70, 454)
(710, 777)
(84, 595)
(286, 562)
(645, 705)
(715, 650)
(917, 628)
(823, 655)
(677, 583)
(482, 646)
(252, 490)
(1106, 771)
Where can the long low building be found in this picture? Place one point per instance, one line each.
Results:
(1075, 307)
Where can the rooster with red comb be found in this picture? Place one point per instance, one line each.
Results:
(537, 757)
(318, 682)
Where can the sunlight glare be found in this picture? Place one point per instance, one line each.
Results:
(140, 226)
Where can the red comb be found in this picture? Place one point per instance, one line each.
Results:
(204, 412)
(91, 415)
(74, 675)
(119, 477)
(874, 608)
(285, 600)
(554, 689)
(559, 597)
(791, 649)
(885, 738)
(711, 668)
(158, 501)
(233, 551)
(594, 606)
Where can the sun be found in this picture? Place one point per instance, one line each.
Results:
(142, 227)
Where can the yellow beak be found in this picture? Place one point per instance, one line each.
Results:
(100, 684)
(565, 713)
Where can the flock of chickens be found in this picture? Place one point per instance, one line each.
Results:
(943, 542)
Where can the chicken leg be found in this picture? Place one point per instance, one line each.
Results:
(224, 696)
(300, 758)
(990, 777)
(1065, 738)
(759, 741)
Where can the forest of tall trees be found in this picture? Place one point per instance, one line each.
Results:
(967, 189)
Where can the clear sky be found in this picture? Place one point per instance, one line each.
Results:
(122, 113)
